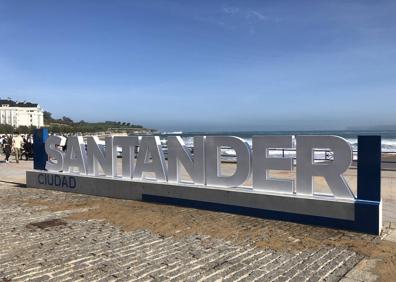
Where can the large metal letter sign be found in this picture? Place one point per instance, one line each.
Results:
(55, 154)
(128, 145)
(99, 157)
(151, 170)
(262, 163)
(331, 171)
(212, 156)
(178, 154)
(150, 148)
(75, 156)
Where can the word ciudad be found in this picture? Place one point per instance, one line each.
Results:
(57, 180)
(204, 165)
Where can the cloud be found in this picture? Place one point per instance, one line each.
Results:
(247, 14)
(230, 10)
(252, 14)
(244, 17)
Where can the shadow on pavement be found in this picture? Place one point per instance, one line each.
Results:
(17, 184)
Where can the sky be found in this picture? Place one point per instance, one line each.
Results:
(204, 65)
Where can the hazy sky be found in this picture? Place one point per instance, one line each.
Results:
(204, 65)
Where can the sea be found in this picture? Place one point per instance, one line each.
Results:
(388, 144)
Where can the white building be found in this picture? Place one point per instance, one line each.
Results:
(21, 114)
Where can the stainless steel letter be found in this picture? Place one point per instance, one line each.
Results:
(150, 146)
(128, 145)
(262, 163)
(332, 170)
(75, 155)
(178, 154)
(97, 155)
(54, 153)
(213, 161)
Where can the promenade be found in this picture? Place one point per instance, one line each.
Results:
(54, 236)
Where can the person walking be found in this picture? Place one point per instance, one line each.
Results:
(17, 143)
(1, 141)
(27, 148)
(7, 142)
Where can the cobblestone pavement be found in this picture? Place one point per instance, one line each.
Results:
(13, 172)
(38, 245)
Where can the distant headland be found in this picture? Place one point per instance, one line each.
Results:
(24, 117)
(67, 125)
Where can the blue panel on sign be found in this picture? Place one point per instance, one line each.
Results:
(368, 217)
(40, 156)
(369, 168)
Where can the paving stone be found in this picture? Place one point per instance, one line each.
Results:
(96, 250)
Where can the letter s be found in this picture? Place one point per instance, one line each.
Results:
(54, 153)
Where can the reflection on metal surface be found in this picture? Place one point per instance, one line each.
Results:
(331, 171)
(204, 164)
(262, 163)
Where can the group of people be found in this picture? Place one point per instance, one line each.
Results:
(16, 144)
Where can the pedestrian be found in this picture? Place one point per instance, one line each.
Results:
(7, 141)
(27, 148)
(1, 141)
(17, 143)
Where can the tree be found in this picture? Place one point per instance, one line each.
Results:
(67, 120)
(6, 129)
(32, 128)
(23, 129)
(47, 116)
